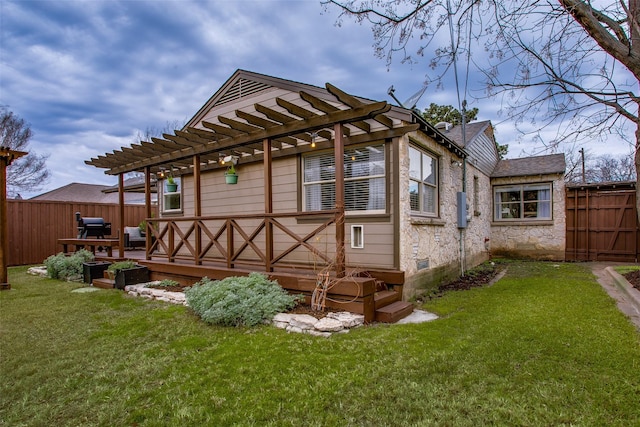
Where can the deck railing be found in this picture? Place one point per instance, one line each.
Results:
(264, 241)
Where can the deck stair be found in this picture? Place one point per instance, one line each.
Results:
(103, 283)
(386, 297)
(393, 312)
(390, 308)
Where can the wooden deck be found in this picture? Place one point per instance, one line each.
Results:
(361, 292)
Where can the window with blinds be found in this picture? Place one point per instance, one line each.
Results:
(423, 182)
(364, 180)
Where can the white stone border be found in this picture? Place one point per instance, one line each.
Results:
(306, 324)
(141, 290)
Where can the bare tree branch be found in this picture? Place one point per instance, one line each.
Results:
(28, 173)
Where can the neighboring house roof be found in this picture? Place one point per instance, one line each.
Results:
(133, 184)
(527, 166)
(478, 142)
(88, 193)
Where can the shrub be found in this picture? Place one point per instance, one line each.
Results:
(121, 265)
(236, 301)
(63, 267)
(167, 283)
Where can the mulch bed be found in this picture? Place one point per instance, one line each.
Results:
(478, 277)
(634, 278)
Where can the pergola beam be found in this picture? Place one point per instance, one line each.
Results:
(169, 151)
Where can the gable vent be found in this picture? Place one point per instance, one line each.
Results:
(240, 89)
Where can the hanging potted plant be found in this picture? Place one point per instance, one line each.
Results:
(172, 186)
(230, 175)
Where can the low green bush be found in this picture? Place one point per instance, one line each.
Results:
(166, 283)
(63, 267)
(121, 265)
(236, 301)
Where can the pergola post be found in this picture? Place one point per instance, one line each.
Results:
(197, 189)
(6, 157)
(268, 202)
(121, 214)
(147, 209)
(339, 161)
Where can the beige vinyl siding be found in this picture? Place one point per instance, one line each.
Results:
(247, 197)
(378, 246)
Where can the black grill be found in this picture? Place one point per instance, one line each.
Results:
(92, 227)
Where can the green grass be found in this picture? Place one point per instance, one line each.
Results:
(543, 346)
(624, 269)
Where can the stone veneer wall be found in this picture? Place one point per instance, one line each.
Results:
(529, 239)
(430, 247)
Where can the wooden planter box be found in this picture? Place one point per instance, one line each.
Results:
(94, 270)
(131, 276)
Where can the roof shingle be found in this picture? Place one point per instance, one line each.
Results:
(527, 166)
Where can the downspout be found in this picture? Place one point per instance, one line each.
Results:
(461, 230)
(464, 185)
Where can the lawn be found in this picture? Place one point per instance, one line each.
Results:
(543, 346)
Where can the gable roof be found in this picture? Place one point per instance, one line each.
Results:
(478, 142)
(528, 166)
(251, 108)
(472, 131)
(133, 185)
(79, 192)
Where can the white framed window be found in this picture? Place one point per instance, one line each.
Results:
(364, 180)
(522, 202)
(171, 199)
(423, 182)
(357, 236)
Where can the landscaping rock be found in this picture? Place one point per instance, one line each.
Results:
(141, 290)
(38, 271)
(294, 329)
(303, 321)
(324, 327)
(348, 320)
(283, 317)
(328, 324)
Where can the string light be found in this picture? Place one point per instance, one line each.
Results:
(313, 139)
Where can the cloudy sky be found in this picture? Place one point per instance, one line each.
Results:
(89, 76)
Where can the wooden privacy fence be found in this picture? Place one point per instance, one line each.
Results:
(35, 226)
(602, 223)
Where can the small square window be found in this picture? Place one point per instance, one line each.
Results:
(357, 236)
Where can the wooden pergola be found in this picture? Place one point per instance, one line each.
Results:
(259, 133)
(7, 156)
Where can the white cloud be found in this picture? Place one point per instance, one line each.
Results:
(88, 74)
